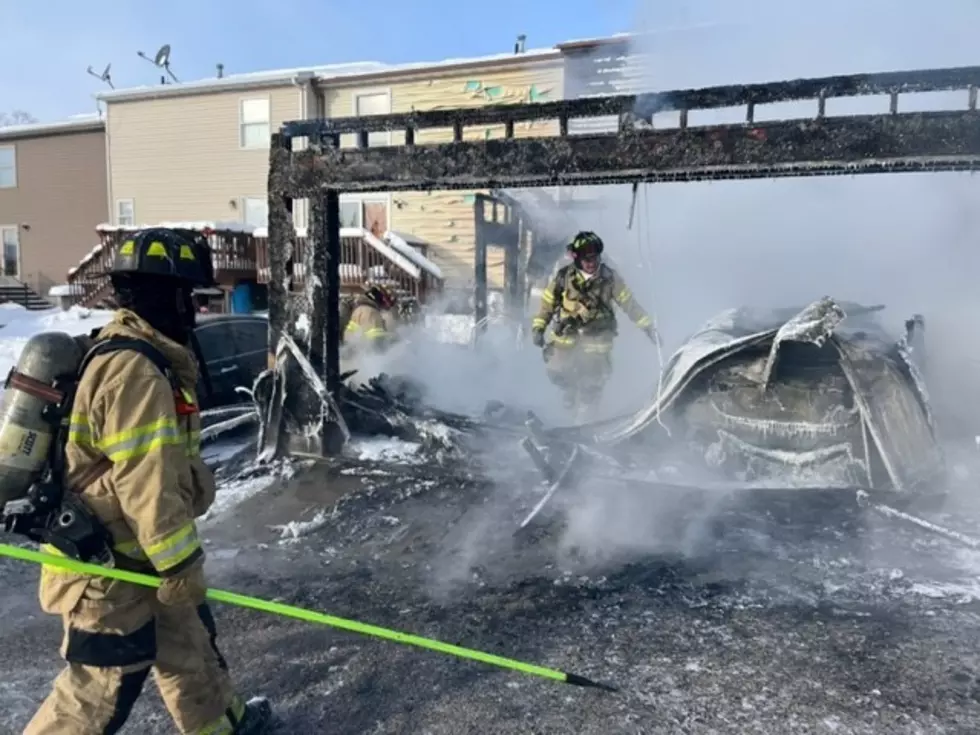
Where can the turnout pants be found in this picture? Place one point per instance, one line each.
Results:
(581, 370)
(113, 642)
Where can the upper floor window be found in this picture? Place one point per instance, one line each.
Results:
(254, 128)
(8, 167)
(374, 103)
(125, 213)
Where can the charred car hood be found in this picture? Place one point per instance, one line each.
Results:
(888, 392)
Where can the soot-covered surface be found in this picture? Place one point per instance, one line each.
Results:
(759, 630)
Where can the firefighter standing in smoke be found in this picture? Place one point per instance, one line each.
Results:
(580, 299)
(366, 328)
(145, 428)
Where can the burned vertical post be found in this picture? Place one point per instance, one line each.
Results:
(280, 236)
(322, 301)
(480, 261)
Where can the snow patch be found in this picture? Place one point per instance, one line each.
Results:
(19, 325)
(219, 225)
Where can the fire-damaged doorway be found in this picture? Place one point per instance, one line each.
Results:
(635, 151)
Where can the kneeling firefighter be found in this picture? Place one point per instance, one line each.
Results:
(580, 299)
(366, 328)
(123, 486)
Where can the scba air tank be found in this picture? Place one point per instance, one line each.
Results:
(25, 433)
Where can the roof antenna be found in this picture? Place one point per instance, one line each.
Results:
(104, 76)
(161, 60)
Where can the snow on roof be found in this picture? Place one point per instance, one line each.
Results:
(227, 225)
(247, 80)
(74, 124)
(403, 244)
(328, 72)
(539, 54)
(596, 41)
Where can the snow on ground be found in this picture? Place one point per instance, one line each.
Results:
(17, 325)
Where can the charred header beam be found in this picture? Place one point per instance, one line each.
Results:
(932, 141)
(645, 106)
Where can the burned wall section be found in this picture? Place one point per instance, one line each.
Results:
(633, 152)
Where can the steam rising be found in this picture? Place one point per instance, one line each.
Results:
(906, 240)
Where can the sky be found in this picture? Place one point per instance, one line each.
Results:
(44, 54)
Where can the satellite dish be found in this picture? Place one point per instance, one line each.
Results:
(162, 59)
(104, 76)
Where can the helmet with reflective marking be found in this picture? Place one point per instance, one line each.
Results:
(381, 294)
(586, 244)
(162, 251)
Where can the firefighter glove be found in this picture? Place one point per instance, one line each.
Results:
(654, 336)
(185, 587)
(537, 336)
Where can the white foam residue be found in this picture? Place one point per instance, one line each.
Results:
(385, 449)
(303, 324)
(296, 529)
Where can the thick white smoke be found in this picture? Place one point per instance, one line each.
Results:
(905, 240)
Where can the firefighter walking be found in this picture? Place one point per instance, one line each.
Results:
(579, 300)
(142, 424)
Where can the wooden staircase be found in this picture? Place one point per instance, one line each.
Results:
(13, 290)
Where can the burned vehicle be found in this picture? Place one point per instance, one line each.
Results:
(821, 396)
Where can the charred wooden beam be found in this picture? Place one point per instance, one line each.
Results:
(928, 141)
(646, 105)
(280, 239)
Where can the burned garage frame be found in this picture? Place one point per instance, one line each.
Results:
(635, 152)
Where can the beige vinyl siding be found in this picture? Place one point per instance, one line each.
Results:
(445, 218)
(179, 158)
(59, 199)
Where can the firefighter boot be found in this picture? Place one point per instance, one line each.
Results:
(258, 718)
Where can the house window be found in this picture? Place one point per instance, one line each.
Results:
(255, 211)
(255, 131)
(125, 213)
(8, 167)
(11, 250)
(365, 212)
(374, 103)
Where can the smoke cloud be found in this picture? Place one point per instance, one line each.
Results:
(908, 241)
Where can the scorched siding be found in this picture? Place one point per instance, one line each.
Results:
(179, 158)
(445, 218)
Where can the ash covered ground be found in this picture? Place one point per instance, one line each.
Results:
(763, 625)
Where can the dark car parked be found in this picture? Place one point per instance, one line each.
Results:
(235, 348)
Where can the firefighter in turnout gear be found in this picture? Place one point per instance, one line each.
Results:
(143, 425)
(580, 300)
(366, 328)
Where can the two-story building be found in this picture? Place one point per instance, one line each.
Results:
(199, 151)
(53, 193)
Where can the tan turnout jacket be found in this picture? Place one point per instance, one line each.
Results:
(125, 410)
